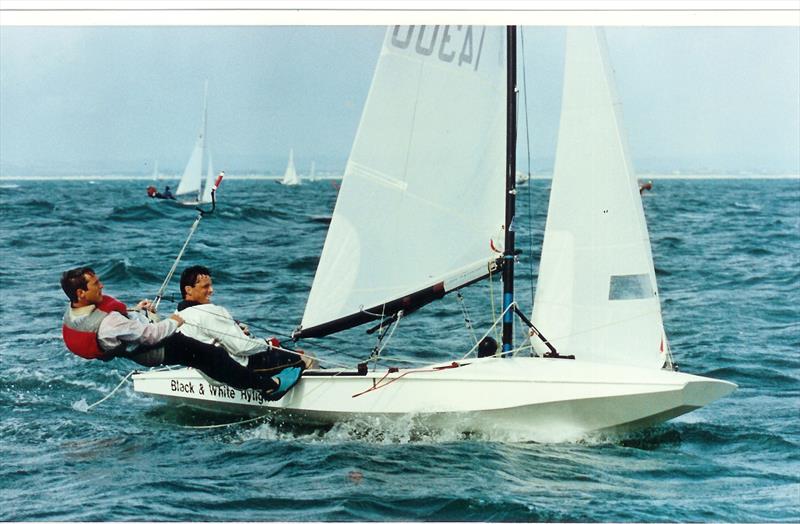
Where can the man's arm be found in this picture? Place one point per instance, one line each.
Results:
(116, 328)
(211, 322)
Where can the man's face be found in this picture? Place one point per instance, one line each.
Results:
(94, 290)
(201, 291)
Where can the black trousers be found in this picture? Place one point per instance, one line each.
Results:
(215, 362)
(273, 361)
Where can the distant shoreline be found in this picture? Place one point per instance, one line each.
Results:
(144, 178)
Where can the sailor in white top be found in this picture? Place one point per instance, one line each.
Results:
(214, 324)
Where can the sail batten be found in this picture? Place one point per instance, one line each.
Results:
(404, 218)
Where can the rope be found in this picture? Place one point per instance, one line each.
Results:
(493, 326)
(491, 299)
(227, 424)
(379, 384)
(191, 427)
(258, 341)
(112, 391)
(376, 352)
(601, 326)
(467, 320)
(267, 345)
(163, 287)
(196, 223)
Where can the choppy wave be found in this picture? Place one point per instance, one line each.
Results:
(727, 269)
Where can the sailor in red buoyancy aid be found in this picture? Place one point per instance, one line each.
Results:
(99, 327)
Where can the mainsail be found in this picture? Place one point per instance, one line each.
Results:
(407, 228)
(290, 177)
(209, 185)
(192, 178)
(596, 296)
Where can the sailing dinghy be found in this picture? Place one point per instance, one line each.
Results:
(290, 177)
(436, 146)
(193, 186)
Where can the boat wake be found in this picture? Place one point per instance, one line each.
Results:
(415, 429)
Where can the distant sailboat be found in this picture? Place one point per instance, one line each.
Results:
(155, 171)
(312, 176)
(428, 187)
(191, 183)
(290, 177)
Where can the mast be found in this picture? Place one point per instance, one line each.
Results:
(511, 163)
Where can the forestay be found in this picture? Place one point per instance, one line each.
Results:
(422, 194)
(596, 296)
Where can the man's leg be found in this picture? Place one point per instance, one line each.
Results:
(273, 361)
(215, 362)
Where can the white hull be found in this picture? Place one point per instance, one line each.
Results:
(537, 396)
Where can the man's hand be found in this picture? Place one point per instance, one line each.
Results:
(177, 318)
(146, 305)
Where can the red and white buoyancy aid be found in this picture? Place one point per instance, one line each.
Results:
(80, 334)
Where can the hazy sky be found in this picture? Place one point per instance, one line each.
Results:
(120, 97)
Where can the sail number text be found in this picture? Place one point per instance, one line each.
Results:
(452, 44)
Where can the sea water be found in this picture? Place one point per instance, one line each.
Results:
(727, 261)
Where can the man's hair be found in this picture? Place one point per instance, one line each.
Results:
(75, 279)
(189, 277)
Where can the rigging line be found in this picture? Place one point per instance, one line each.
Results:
(164, 284)
(407, 360)
(267, 345)
(200, 213)
(528, 148)
(263, 328)
(376, 352)
(286, 341)
(228, 424)
(602, 326)
(112, 391)
(491, 298)
(493, 326)
(376, 315)
(379, 384)
(258, 341)
(528, 343)
(467, 320)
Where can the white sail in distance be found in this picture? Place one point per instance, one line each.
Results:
(405, 221)
(192, 177)
(209, 183)
(596, 295)
(290, 177)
